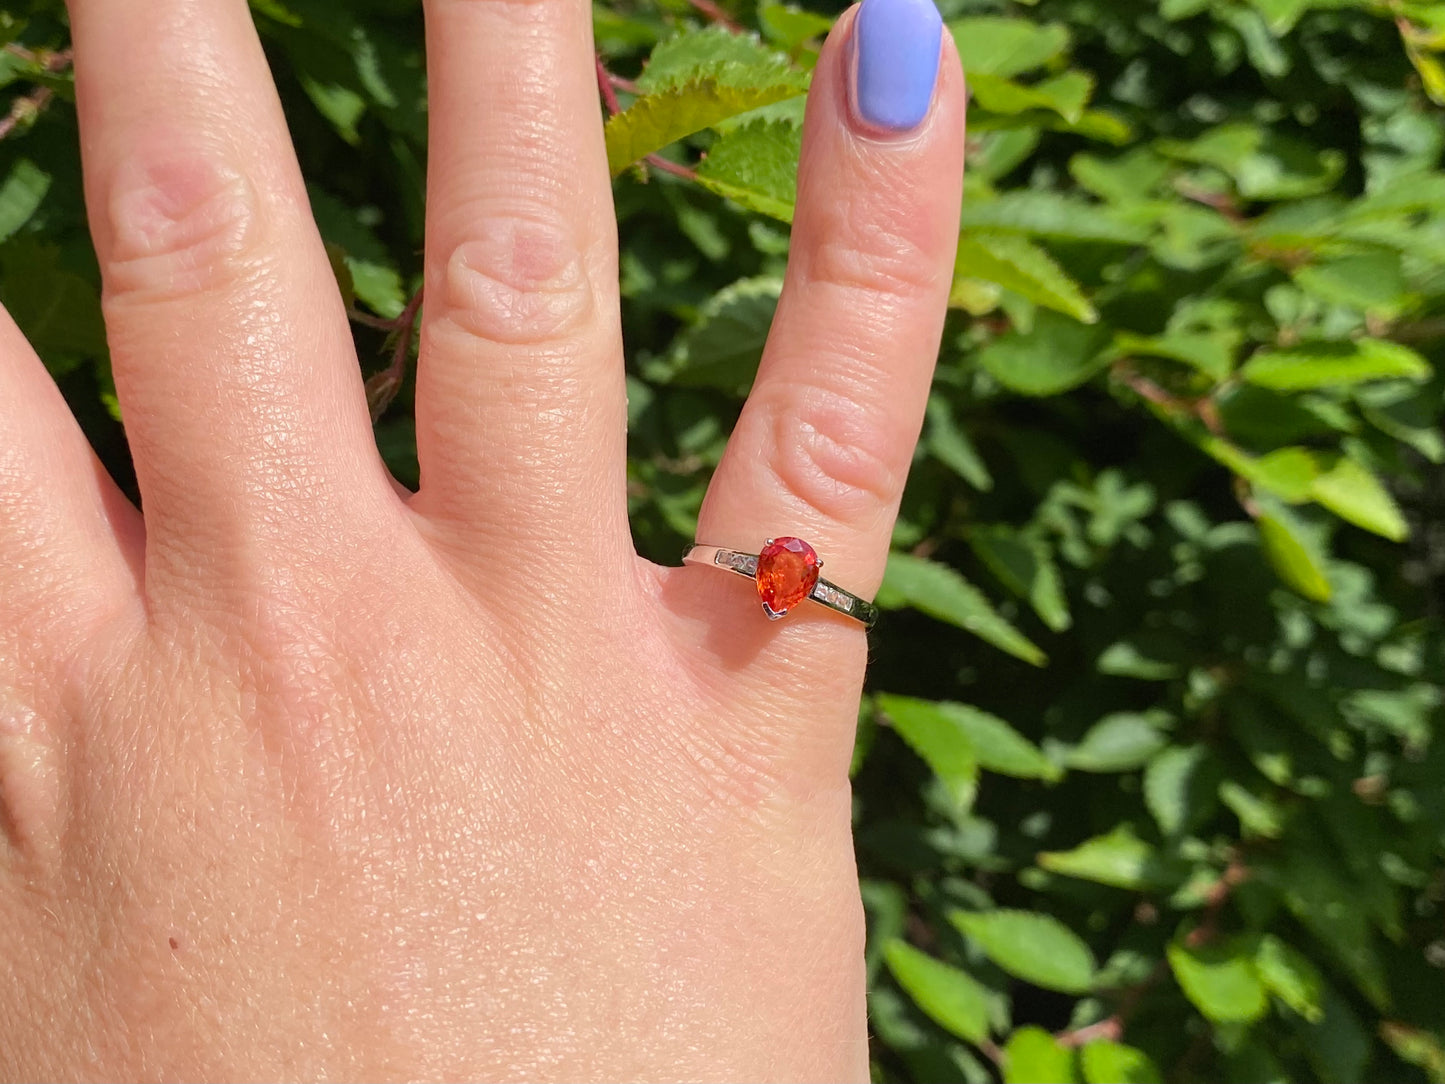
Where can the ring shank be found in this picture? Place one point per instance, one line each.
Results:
(746, 564)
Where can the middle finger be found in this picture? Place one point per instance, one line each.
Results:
(521, 401)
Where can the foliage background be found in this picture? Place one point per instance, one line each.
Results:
(1149, 784)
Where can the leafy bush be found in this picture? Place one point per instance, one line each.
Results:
(1148, 781)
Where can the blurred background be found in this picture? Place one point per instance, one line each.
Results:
(1149, 777)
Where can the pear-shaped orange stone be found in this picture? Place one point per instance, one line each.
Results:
(787, 571)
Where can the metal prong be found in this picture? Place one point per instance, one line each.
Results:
(773, 614)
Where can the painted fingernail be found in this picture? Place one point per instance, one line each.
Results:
(897, 45)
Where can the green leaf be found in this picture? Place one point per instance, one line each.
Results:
(1418, 1047)
(991, 45)
(657, 120)
(1125, 658)
(953, 999)
(934, 734)
(948, 442)
(1025, 565)
(1289, 975)
(993, 743)
(1055, 355)
(1119, 858)
(941, 592)
(1065, 95)
(1294, 558)
(1108, 1062)
(1353, 493)
(21, 194)
(724, 344)
(1016, 263)
(1259, 816)
(1373, 282)
(755, 165)
(1326, 364)
(1211, 354)
(717, 55)
(1264, 165)
(1121, 742)
(1034, 947)
(1179, 787)
(1221, 980)
(1032, 1055)
(789, 26)
(57, 309)
(1051, 215)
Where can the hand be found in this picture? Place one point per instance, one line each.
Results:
(304, 775)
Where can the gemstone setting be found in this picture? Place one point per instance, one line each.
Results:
(787, 573)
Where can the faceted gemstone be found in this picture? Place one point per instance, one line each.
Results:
(787, 571)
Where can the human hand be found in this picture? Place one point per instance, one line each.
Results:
(306, 776)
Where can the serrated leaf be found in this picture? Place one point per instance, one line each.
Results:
(1056, 354)
(718, 55)
(1292, 556)
(942, 592)
(993, 45)
(1327, 364)
(1107, 1062)
(1353, 493)
(657, 120)
(936, 737)
(1034, 947)
(995, 745)
(951, 998)
(1051, 215)
(1289, 975)
(21, 194)
(1016, 263)
(1119, 858)
(756, 165)
(1120, 742)
(1033, 1055)
(1221, 980)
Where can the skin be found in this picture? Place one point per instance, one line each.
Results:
(303, 775)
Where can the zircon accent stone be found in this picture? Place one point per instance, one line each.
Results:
(787, 573)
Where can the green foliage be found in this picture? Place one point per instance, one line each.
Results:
(1149, 782)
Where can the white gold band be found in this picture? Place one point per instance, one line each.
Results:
(746, 564)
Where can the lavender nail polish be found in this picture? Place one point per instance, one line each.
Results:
(896, 44)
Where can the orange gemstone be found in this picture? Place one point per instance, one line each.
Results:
(787, 571)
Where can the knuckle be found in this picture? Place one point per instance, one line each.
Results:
(828, 455)
(871, 261)
(179, 225)
(518, 281)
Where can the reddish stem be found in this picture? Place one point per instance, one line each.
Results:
(659, 162)
(605, 84)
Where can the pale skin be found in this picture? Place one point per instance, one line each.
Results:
(303, 775)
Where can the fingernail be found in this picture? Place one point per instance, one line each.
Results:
(896, 43)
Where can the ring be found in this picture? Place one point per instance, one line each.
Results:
(786, 573)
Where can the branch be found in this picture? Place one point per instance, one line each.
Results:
(381, 389)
